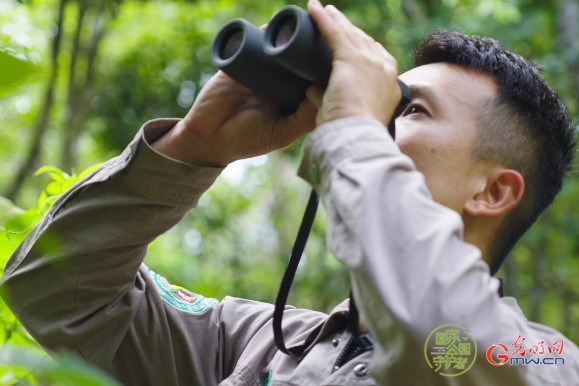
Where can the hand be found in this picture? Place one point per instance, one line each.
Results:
(228, 122)
(363, 79)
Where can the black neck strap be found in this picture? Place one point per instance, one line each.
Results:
(290, 272)
(298, 248)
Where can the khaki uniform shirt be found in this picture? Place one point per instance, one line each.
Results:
(78, 281)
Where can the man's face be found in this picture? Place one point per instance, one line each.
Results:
(438, 129)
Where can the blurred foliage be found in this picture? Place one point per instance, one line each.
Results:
(25, 366)
(150, 59)
(16, 69)
(22, 361)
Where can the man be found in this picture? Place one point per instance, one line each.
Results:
(480, 151)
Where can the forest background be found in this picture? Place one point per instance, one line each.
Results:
(79, 77)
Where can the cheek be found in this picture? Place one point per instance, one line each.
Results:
(420, 148)
(433, 149)
(414, 135)
(441, 153)
(442, 167)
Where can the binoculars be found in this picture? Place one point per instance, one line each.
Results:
(281, 62)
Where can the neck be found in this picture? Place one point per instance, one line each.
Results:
(480, 233)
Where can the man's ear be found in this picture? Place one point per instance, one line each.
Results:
(503, 191)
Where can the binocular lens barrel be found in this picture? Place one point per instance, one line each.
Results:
(231, 44)
(238, 51)
(284, 32)
(281, 62)
(295, 42)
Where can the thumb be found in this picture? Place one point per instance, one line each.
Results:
(288, 129)
(315, 94)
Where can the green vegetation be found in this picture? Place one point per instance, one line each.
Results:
(79, 77)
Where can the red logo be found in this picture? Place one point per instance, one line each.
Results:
(503, 358)
(500, 354)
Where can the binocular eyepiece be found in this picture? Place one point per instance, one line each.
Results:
(281, 62)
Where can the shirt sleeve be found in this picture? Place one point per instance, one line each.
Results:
(78, 281)
(411, 270)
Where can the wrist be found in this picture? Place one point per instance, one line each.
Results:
(181, 144)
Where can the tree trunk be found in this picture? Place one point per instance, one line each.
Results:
(74, 92)
(509, 273)
(537, 291)
(79, 85)
(568, 27)
(35, 149)
(568, 22)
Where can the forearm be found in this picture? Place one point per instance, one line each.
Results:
(84, 255)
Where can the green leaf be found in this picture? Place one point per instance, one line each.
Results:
(8, 210)
(88, 171)
(68, 371)
(15, 70)
(55, 173)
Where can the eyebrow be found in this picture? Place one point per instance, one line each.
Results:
(427, 93)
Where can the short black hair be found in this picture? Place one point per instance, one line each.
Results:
(526, 127)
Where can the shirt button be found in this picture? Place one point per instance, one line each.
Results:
(360, 370)
(335, 342)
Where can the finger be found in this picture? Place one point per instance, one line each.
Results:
(356, 36)
(348, 30)
(315, 94)
(288, 129)
(324, 22)
(336, 28)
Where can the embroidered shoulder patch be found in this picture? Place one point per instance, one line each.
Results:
(267, 378)
(179, 297)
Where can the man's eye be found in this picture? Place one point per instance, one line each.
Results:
(414, 109)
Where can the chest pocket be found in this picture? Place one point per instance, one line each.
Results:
(353, 373)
